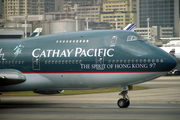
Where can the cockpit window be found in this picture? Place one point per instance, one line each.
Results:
(133, 38)
(113, 41)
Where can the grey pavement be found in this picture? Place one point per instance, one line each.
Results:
(160, 101)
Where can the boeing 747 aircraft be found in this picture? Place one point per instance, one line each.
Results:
(81, 60)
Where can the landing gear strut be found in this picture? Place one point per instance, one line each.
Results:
(124, 102)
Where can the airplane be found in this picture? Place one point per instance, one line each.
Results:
(81, 60)
(172, 43)
(130, 27)
(36, 32)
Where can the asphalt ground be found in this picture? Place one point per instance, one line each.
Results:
(160, 101)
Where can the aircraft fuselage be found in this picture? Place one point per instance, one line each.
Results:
(82, 60)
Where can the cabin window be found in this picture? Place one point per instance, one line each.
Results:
(144, 60)
(133, 38)
(136, 60)
(132, 61)
(140, 61)
(129, 61)
(117, 61)
(121, 61)
(73, 61)
(80, 61)
(113, 61)
(11, 62)
(76, 61)
(72, 41)
(113, 41)
(69, 61)
(157, 60)
(153, 60)
(59, 62)
(161, 60)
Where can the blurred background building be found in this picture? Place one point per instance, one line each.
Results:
(124, 11)
(34, 7)
(164, 13)
(56, 16)
(1, 9)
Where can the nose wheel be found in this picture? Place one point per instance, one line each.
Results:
(123, 102)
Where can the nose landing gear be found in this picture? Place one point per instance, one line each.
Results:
(124, 102)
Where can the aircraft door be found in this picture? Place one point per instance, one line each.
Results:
(100, 59)
(36, 63)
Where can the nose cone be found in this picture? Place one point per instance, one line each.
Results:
(162, 61)
(171, 62)
(168, 61)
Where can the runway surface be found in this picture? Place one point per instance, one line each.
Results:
(160, 101)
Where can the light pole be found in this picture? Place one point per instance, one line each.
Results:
(86, 23)
(76, 23)
(148, 19)
(25, 19)
(116, 22)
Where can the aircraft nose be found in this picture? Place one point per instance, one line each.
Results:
(167, 62)
(171, 62)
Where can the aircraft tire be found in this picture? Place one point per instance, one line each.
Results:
(127, 103)
(123, 103)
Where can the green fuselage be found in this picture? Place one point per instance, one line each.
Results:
(86, 59)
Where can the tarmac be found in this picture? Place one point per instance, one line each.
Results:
(160, 101)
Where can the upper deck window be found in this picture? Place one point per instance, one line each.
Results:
(133, 38)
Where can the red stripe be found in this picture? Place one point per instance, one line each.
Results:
(90, 72)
